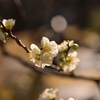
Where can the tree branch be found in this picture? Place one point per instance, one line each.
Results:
(52, 70)
(19, 42)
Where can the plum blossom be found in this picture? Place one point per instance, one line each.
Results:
(8, 23)
(70, 62)
(45, 56)
(49, 50)
(35, 57)
(70, 43)
(63, 46)
(49, 94)
(66, 44)
(72, 98)
(69, 99)
(2, 37)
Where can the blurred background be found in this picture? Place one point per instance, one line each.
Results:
(59, 20)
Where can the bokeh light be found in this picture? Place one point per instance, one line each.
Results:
(58, 23)
(25, 82)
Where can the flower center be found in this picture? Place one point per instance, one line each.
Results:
(47, 49)
(69, 60)
(38, 56)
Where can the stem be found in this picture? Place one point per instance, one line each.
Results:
(51, 70)
(19, 42)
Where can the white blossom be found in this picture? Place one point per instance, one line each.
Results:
(8, 23)
(49, 50)
(63, 46)
(34, 56)
(70, 62)
(51, 94)
(37, 58)
(2, 37)
(47, 59)
(72, 98)
(70, 43)
(48, 94)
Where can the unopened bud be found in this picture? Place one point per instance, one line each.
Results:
(75, 46)
(8, 24)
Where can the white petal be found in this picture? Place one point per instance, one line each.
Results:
(2, 36)
(12, 21)
(71, 43)
(38, 63)
(53, 44)
(53, 54)
(4, 22)
(71, 98)
(46, 58)
(35, 48)
(54, 47)
(72, 67)
(33, 60)
(73, 54)
(65, 68)
(8, 23)
(43, 65)
(44, 40)
(63, 46)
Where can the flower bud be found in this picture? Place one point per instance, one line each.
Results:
(75, 46)
(8, 24)
(2, 37)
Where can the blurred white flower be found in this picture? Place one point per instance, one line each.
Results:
(48, 94)
(70, 62)
(2, 37)
(49, 49)
(63, 46)
(75, 46)
(34, 56)
(46, 59)
(8, 23)
(72, 98)
(70, 43)
(37, 58)
(69, 99)
(51, 94)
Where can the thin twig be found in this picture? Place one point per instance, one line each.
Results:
(19, 42)
(52, 70)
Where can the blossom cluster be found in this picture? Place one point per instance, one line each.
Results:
(44, 56)
(50, 49)
(8, 25)
(51, 94)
